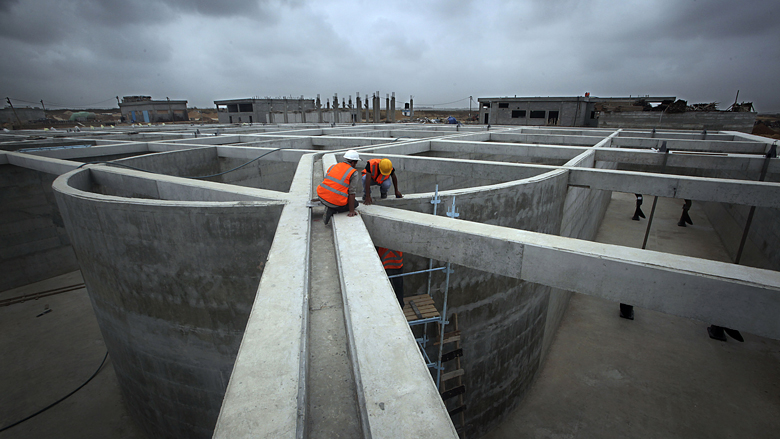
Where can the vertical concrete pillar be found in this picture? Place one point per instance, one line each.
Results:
(351, 110)
(318, 104)
(392, 108)
(285, 109)
(367, 118)
(358, 108)
(271, 111)
(411, 107)
(377, 101)
(335, 108)
(387, 107)
(300, 108)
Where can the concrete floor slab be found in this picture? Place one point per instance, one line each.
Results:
(657, 376)
(45, 358)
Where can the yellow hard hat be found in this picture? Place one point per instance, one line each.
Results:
(385, 166)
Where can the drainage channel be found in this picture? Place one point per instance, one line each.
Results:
(331, 394)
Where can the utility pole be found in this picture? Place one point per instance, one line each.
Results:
(14, 110)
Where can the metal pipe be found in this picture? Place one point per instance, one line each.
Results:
(655, 200)
(417, 272)
(443, 323)
(435, 201)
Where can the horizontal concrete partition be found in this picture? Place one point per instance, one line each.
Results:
(716, 292)
(172, 284)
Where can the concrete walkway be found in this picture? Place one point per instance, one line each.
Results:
(658, 376)
(331, 399)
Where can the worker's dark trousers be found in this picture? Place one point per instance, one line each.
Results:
(398, 284)
(345, 208)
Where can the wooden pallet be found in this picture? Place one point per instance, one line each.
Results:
(425, 306)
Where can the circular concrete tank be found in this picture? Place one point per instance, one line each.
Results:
(172, 284)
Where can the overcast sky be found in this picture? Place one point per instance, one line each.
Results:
(77, 53)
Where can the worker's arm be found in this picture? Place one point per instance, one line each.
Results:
(351, 205)
(395, 185)
(367, 190)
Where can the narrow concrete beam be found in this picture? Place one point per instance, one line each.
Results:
(734, 147)
(42, 164)
(743, 192)
(724, 294)
(691, 160)
(396, 393)
(464, 168)
(266, 392)
(509, 149)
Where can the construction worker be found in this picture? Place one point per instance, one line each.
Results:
(337, 191)
(393, 261)
(381, 173)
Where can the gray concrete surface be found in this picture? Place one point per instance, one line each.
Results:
(45, 358)
(657, 376)
(332, 402)
(172, 308)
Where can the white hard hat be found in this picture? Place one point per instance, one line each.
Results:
(351, 155)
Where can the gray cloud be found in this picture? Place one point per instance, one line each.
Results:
(82, 51)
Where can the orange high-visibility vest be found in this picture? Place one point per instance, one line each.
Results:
(391, 258)
(373, 165)
(335, 187)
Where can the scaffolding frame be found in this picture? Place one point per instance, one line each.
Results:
(422, 342)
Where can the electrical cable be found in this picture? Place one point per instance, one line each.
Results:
(446, 103)
(60, 400)
(61, 105)
(197, 178)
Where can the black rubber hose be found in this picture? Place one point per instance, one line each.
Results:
(60, 400)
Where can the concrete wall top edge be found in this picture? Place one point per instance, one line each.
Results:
(64, 185)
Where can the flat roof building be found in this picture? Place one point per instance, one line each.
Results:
(613, 112)
(144, 109)
(255, 110)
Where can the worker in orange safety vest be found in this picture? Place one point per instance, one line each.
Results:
(379, 172)
(337, 191)
(393, 261)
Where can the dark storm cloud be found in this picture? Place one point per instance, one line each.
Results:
(74, 51)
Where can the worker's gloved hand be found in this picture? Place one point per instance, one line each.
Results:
(398, 194)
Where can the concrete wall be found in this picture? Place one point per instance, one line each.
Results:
(33, 242)
(172, 285)
(25, 115)
(761, 248)
(571, 112)
(692, 120)
(502, 320)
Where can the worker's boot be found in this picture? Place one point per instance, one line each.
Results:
(383, 195)
(327, 215)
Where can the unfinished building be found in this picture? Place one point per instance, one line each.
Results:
(646, 112)
(208, 269)
(142, 109)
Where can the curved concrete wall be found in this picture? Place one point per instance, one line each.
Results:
(502, 320)
(172, 284)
